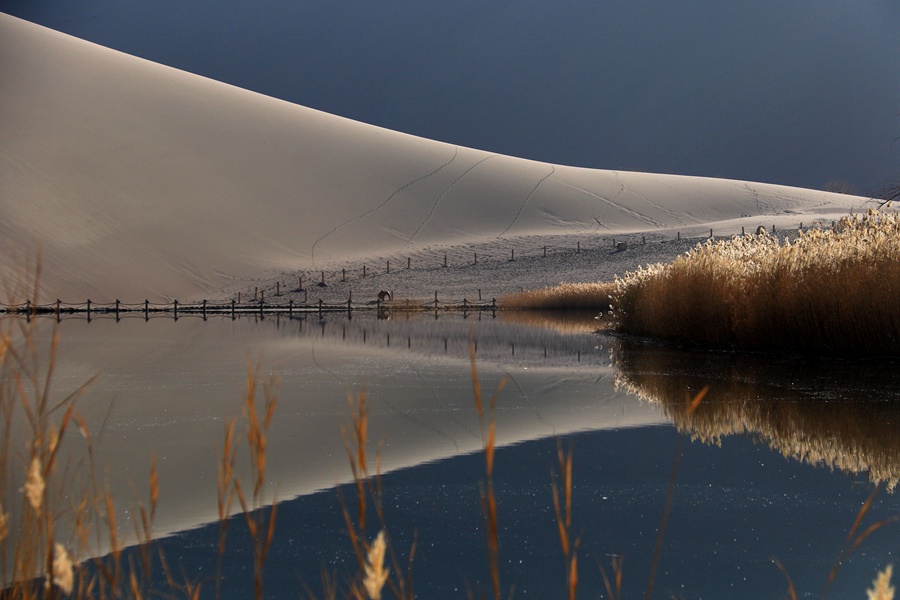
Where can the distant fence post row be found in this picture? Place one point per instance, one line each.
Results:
(442, 261)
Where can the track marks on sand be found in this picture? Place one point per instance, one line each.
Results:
(614, 202)
(658, 207)
(525, 201)
(384, 203)
(441, 196)
(755, 195)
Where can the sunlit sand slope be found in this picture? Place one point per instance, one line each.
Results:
(135, 180)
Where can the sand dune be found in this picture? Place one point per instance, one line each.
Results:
(135, 180)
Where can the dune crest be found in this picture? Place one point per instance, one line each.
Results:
(135, 180)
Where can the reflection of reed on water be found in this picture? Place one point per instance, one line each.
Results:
(560, 321)
(838, 414)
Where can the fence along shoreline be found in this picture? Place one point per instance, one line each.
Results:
(258, 308)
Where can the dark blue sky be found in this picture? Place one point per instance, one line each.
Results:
(800, 93)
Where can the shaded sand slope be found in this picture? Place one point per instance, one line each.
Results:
(136, 180)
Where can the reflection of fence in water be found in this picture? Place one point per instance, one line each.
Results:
(542, 338)
(841, 415)
(447, 334)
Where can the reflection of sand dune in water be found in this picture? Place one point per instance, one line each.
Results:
(167, 389)
(840, 415)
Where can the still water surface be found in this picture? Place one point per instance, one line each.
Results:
(774, 463)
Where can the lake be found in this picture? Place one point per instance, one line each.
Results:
(774, 463)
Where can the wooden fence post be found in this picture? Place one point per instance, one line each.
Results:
(232, 309)
(291, 309)
(388, 266)
(57, 310)
(545, 251)
(89, 310)
(117, 310)
(204, 309)
(445, 260)
(578, 250)
(408, 262)
(176, 310)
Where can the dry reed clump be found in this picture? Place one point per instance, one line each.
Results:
(566, 296)
(830, 291)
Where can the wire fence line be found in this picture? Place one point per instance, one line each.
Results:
(176, 309)
(309, 281)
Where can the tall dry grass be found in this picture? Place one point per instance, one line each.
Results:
(53, 511)
(829, 291)
(56, 519)
(566, 296)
